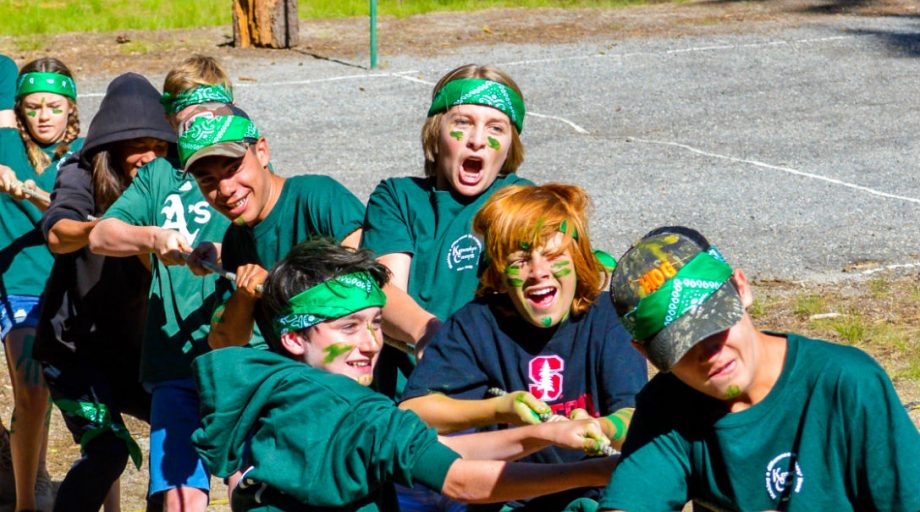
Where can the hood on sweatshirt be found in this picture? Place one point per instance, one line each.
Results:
(130, 109)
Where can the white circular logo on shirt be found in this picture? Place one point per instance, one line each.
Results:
(464, 253)
(779, 476)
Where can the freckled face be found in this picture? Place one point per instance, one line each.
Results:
(46, 116)
(472, 148)
(541, 283)
(348, 345)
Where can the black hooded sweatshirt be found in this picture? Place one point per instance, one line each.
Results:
(94, 306)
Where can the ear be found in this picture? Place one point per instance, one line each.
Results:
(262, 152)
(293, 342)
(744, 288)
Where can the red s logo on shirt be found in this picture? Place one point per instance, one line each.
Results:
(546, 377)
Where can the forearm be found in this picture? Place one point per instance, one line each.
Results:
(231, 325)
(68, 235)
(112, 237)
(449, 415)
(405, 320)
(474, 481)
(509, 444)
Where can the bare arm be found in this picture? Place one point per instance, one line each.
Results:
(477, 481)
(514, 443)
(113, 237)
(448, 414)
(232, 324)
(68, 235)
(403, 318)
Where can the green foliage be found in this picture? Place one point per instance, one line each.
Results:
(36, 17)
(809, 305)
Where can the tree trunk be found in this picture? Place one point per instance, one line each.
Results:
(265, 23)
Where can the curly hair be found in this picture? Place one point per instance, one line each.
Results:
(431, 128)
(39, 160)
(527, 214)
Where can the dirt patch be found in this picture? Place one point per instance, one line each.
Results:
(347, 39)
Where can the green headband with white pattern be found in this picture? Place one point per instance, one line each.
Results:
(478, 91)
(40, 81)
(329, 300)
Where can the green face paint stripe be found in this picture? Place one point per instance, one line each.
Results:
(494, 144)
(733, 391)
(457, 134)
(516, 283)
(547, 321)
(32, 113)
(336, 350)
(57, 111)
(560, 264)
(512, 271)
(562, 273)
(525, 246)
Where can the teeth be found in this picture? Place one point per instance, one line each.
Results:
(239, 203)
(540, 291)
(360, 363)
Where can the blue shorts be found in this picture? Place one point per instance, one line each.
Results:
(173, 417)
(18, 311)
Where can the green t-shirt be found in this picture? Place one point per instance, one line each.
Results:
(179, 308)
(322, 439)
(25, 261)
(435, 227)
(830, 435)
(309, 205)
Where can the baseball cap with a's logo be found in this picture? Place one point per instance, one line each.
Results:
(673, 289)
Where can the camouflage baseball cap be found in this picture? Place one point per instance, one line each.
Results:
(672, 289)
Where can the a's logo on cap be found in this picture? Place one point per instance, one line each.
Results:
(546, 377)
(780, 476)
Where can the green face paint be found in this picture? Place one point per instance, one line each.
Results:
(57, 111)
(547, 321)
(559, 274)
(32, 113)
(512, 271)
(560, 264)
(494, 144)
(336, 350)
(525, 246)
(239, 221)
(515, 283)
(457, 134)
(733, 392)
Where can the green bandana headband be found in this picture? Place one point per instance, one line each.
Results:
(476, 91)
(690, 287)
(329, 300)
(46, 82)
(208, 131)
(196, 96)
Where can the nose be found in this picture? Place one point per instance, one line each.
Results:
(225, 187)
(712, 345)
(44, 113)
(539, 266)
(371, 340)
(477, 138)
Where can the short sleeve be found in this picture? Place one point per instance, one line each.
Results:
(624, 371)
(386, 230)
(653, 474)
(72, 198)
(135, 205)
(450, 365)
(335, 210)
(884, 444)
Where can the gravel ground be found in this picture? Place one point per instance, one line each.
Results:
(793, 148)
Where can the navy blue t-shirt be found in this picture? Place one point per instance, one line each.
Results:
(584, 362)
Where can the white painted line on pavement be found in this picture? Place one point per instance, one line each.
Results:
(674, 51)
(788, 170)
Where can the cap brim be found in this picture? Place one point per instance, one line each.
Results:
(230, 149)
(717, 313)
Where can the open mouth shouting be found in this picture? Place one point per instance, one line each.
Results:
(471, 171)
(541, 298)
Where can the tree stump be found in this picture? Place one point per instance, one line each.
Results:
(265, 23)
